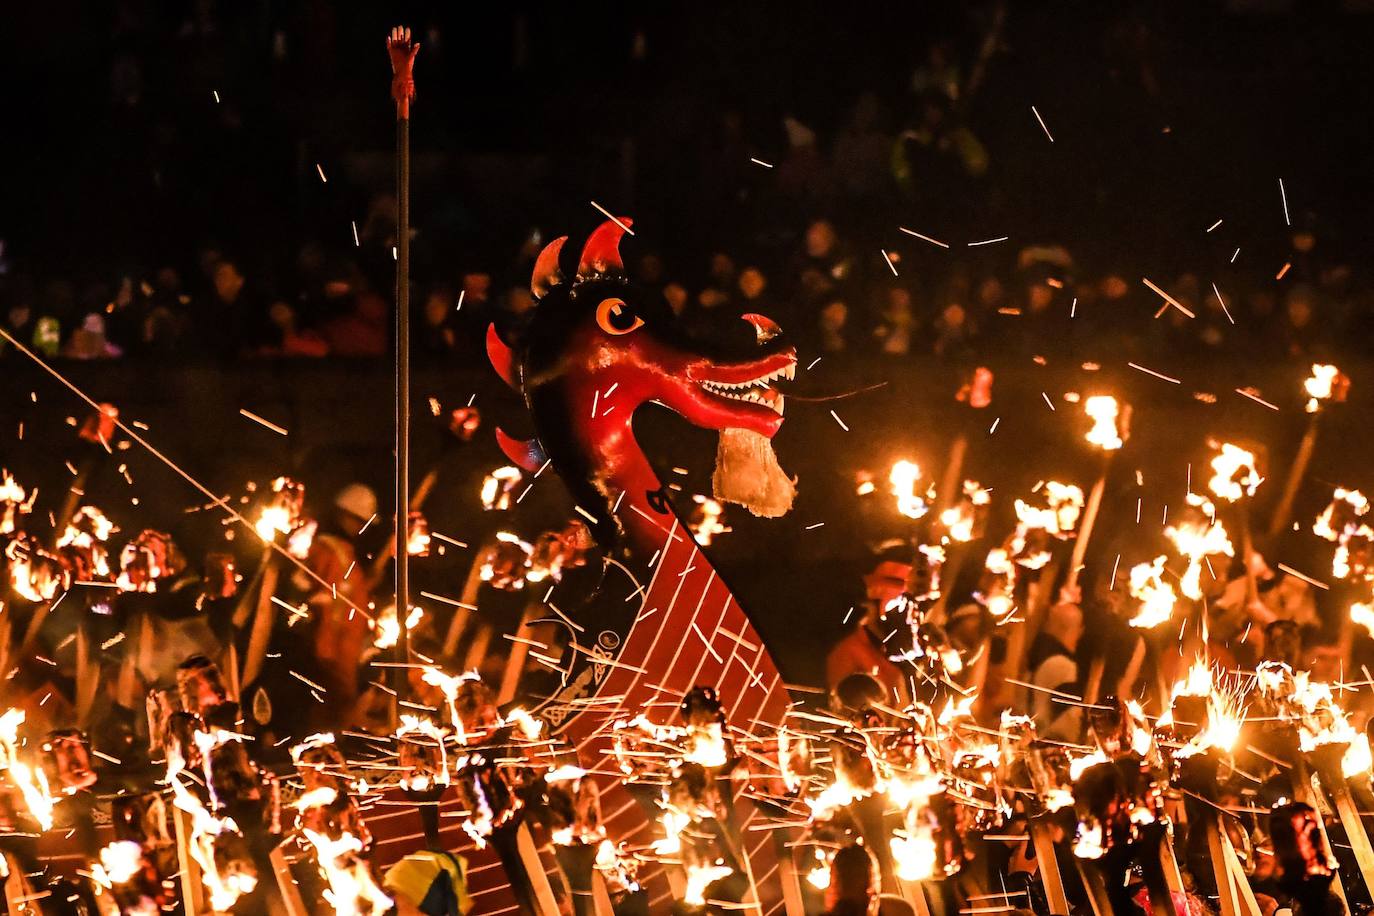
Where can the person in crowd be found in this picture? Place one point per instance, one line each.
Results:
(863, 649)
(437, 334)
(89, 342)
(895, 332)
(853, 889)
(232, 316)
(336, 592)
(363, 330)
(1054, 669)
(291, 340)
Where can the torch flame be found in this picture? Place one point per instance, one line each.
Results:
(904, 476)
(1196, 541)
(1235, 473)
(497, 488)
(1320, 385)
(352, 890)
(121, 860)
(1103, 410)
(1156, 596)
(387, 629)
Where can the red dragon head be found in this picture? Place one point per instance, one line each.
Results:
(597, 348)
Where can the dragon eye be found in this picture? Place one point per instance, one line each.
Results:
(615, 317)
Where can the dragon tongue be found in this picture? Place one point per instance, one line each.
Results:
(748, 473)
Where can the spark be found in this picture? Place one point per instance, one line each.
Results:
(1214, 225)
(888, 258)
(1224, 310)
(767, 165)
(607, 213)
(811, 365)
(1283, 195)
(1283, 270)
(839, 421)
(1308, 579)
(1042, 123)
(924, 238)
(1235, 255)
(356, 243)
(319, 168)
(268, 423)
(992, 429)
(1168, 298)
(1002, 238)
(1154, 373)
(215, 92)
(1249, 393)
(433, 597)
(1047, 400)
(444, 537)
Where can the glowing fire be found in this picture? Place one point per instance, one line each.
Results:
(497, 488)
(1087, 843)
(1235, 475)
(706, 745)
(33, 573)
(120, 861)
(448, 685)
(903, 477)
(1059, 517)
(1320, 385)
(31, 782)
(961, 519)
(1156, 596)
(699, 877)
(1103, 410)
(352, 890)
(914, 854)
(1362, 613)
(1196, 541)
(12, 500)
(387, 629)
(417, 536)
(706, 523)
(224, 889)
(1350, 503)
(832, 798)
(425, 727)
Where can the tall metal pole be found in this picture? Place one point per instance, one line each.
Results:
(402, 53)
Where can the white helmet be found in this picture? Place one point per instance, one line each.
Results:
(357, 499)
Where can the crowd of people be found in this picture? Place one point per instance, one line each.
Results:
(794, 215)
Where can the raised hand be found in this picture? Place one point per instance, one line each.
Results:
(402, 52)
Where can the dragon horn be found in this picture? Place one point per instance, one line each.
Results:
(526, 453)
(546, 272)
(502, 359)
(601, 254)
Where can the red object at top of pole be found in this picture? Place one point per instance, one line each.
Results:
(402, 52)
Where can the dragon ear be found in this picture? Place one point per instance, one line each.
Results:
(526, 454)
(601, 254)
(546, 272)
(501, 357)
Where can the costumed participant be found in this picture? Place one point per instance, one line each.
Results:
(853, 887)
(1054, 667)
(339, 632)
(864, 650)
(429, 883)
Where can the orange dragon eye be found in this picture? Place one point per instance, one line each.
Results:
(615, 317)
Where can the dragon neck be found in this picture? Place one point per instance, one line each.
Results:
(607, 473)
